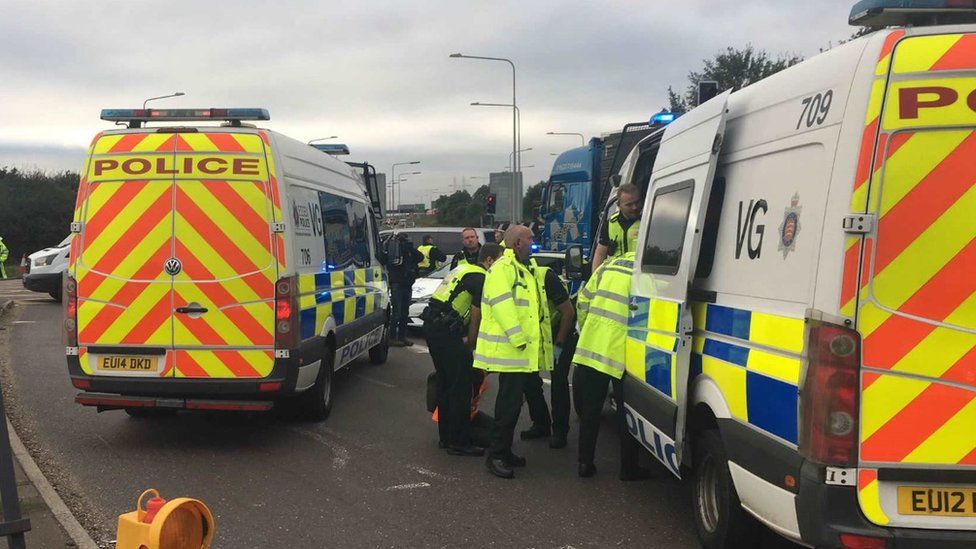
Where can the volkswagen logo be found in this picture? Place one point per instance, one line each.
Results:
(172, 266)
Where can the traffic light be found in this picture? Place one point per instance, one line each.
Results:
(490, 204)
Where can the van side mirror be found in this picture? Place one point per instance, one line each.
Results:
(574, 262)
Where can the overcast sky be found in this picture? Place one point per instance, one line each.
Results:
(377, 73)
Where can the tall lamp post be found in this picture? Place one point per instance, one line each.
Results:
(582, 138)
(399, 186)
(515, 136)
(167, 96)
(393, 180)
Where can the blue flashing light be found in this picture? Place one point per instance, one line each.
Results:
(884, 13)
(663, 118)
(536, 247)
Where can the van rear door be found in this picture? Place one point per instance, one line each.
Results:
(917, 311)
(124, 293)
(658, 351)
(223, 295)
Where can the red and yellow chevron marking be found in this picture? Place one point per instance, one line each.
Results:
(940, 52)
(907, 420)
(868, 494)
(279, 240)
(914, 290)
(218, 227)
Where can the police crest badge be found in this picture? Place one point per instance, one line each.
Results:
(790, 227)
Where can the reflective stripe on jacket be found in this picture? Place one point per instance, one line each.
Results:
(447, 293)
(512, 316)
(602, 312)
(624, 243)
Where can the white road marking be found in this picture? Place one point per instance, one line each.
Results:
(375, 381)
(411, 486)
(421, 349)
(24, 322)
(547, 381)
(340, 455)
(431, 474)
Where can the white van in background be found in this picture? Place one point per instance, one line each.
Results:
(44, 269)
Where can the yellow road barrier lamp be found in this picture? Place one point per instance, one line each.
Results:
(181, 523)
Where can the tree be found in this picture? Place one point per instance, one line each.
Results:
(532, 200)
(733, 69)
(36, 209)
(461, 209)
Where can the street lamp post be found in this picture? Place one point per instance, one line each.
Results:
(515, 136)
(174, 94)
(399, 184)
(581, 136)
(393, 180)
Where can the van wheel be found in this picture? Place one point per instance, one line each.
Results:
(720, 520)
(316, 402)
(378, 354)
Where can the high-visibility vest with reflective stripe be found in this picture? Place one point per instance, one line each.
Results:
(625, 242)
(461, 301)
(602, 311)
(426, 263)
(554, 315)
(513, 313)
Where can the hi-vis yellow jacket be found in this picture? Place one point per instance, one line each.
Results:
(602, 313)
(513, 315)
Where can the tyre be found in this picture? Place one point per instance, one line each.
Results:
(316, 402)
(378, 354)
(720, 520)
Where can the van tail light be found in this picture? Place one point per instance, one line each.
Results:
(70, 296)
(287, 329)
(829, 397)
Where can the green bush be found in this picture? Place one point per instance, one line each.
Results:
(35, 210)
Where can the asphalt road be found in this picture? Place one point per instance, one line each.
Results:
(369, 476)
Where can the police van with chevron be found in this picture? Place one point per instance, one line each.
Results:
(802, 316)
(219, 267)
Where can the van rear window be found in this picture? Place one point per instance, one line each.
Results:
(666, 228)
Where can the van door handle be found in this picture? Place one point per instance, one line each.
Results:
(191, 310)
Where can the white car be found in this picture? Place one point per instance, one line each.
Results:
(45, 268)
(423, 288)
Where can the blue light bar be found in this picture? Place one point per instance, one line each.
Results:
(183, 115)
(887, 13)
(663, 118)
(536, 247)
(334, 149)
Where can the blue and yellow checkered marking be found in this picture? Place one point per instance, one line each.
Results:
(760, 384)
(343, 295)
(652, 342)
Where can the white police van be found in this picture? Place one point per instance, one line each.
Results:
(219, 267)
(802, 333)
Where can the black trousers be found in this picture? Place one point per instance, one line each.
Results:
(589, 396)
(508, 405)
(452, 362)
(558, 422)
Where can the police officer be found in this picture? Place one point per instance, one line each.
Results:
(602, 308)
(401, 260)
(451, 321)
(469, 250)
(433, 258)
(619, 233)
(4, 253)
(562, 316)
(511, 341)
